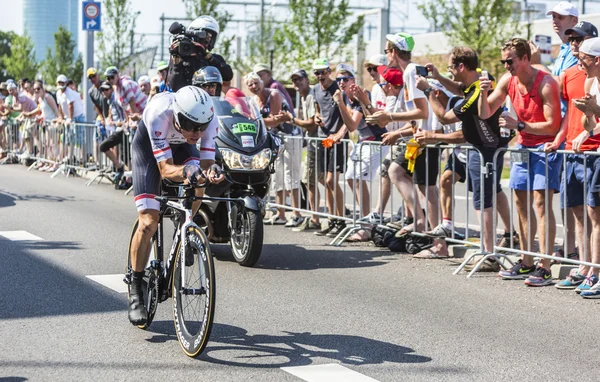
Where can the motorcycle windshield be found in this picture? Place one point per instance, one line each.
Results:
(240, 123)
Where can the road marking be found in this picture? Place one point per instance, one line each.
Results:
(331, 372)
(114, 282)
(20, 236)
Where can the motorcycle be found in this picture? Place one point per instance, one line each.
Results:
(247, 152)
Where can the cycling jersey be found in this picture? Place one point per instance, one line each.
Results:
(158, 119)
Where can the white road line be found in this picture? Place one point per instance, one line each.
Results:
(331, 372)
(19, 236)
(114, 282)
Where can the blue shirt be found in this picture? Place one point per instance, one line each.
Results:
(564, 61)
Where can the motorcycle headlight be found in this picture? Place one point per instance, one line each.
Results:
(237, 161)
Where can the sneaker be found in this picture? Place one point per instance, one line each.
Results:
(487, 266)
(324, 231)
(541, 277)
(338, 227)
(572, 281)
(275, 220)
(517, 272)
(306, 225)
(505, 240)
(294, 221)
(594, 292)
(439, 231)
(587, 284)
(373, 217)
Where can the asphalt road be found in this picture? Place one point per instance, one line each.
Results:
(385, 316)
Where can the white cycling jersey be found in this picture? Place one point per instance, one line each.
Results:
(158, 119)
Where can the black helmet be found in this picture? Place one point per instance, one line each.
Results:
(208, 75)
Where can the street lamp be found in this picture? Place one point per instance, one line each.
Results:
(271, 48)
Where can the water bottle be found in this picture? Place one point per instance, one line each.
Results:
(504, 132)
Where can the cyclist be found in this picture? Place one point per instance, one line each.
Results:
(164, 147)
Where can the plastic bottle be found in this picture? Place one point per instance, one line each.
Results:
(504, 132)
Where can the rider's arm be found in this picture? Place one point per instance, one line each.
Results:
(170, 171)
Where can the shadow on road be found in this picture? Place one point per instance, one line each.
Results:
(289, 257)
(34, 287)
(232, 346)
(7, 199)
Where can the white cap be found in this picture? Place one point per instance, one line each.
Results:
(591, 47)
(438, 86)
(345, 68)
(564, 9)
(143, 80)
(62, 78)
(261, 67)
(11, 85)
(377, 60)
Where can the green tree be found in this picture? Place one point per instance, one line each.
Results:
(6, 39)
(118, 40)
(62, 60)
(482, 25)
(196, 8)
(319, 28)
(21, 62)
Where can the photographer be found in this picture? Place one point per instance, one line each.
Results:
(190, 51)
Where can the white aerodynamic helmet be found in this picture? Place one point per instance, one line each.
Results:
(193, 109)
(210, 25)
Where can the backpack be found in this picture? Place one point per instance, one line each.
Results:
(415, 244)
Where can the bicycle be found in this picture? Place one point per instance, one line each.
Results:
(169, 279)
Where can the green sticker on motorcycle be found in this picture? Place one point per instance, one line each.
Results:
(242, 128)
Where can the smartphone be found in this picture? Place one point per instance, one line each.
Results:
(422, 71)
(485, 74)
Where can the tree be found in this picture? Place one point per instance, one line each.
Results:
(482, 25)
(196, 8)
(118, 37)
(62, 60)
(6, 39)
(319, 28)
(21, 62)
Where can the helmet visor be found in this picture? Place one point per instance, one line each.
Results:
(188, 125)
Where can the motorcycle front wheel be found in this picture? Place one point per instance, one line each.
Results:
(247, 237)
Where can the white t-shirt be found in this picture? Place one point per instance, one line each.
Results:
(67, 96)
(411, 93)
(378, 97)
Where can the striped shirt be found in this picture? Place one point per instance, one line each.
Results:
(127, 90)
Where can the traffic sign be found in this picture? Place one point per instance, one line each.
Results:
(91, 16)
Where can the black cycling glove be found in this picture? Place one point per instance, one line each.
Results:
(192, 173)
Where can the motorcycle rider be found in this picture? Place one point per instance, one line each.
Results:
(182, 69)
(209, 79)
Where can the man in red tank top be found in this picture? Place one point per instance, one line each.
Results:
(576, 173)
(535, 98)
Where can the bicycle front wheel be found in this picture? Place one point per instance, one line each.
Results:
(194, 298)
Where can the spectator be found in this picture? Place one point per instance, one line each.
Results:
(49, 112)
(377, 95)
(22, 105)
(163, 72)
(127, 92)
(70, 110)
(3, 118)
(115, 127)
(274, 110)
(264, 72)
(534, 96)
(331, 161)
(25, 86)
(589, 104)
(144, 84)
(100, 106)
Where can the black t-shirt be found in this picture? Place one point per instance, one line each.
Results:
(99, 100)
(181, 74)
(330, 112)
(478, 132)
(367, 131)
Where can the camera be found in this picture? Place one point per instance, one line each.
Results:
(186, 39)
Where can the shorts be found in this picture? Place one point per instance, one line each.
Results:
(532, 171)
(332, 159)
(427, 167)
(393, 153)
(457, 166)
(364, 161)
(29, 129)
(145, 172)
(474, 166)
(311, 175)
(113, 140)
(288, 166)
(575, 173)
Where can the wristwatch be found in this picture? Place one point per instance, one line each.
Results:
(369, 106)
(427, 92)
(521, 125)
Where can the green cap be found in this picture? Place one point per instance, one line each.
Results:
(111, 71)
(163, 65)
(403, 41)
(320, 63)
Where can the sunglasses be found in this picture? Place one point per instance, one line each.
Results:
(508, 61)
(386, 51)
(344, 79)
(577, 39)
(104, 90)
(320, 72)
(382, 84)
(371, 69)
(110, 77)
(37, 89)
(209, 85)
(297, 79)
(191, 126)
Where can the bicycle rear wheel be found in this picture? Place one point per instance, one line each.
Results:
(149, 282)
(194, 302)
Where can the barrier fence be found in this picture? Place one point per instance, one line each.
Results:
(362, 184)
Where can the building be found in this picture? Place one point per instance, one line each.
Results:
(41, 19)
